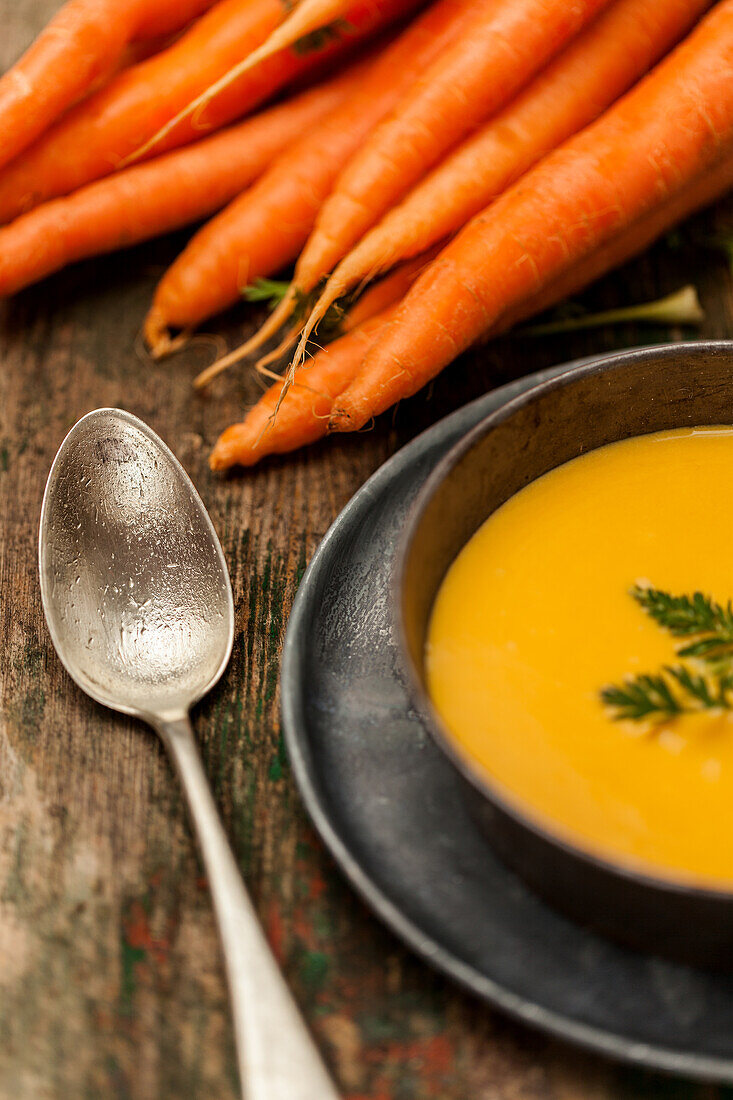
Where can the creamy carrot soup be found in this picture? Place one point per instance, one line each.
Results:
(553, 662)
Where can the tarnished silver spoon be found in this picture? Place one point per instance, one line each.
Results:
(139, 606)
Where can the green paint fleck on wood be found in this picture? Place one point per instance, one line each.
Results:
(377, 1028)
(314, 970)
(279, 761)
(323, 924)
(130, 957)
(300, 568)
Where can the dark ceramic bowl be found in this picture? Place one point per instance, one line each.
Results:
(630, 394)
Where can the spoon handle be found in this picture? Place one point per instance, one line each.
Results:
(278, 1060)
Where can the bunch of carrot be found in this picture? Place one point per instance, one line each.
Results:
(483, 158)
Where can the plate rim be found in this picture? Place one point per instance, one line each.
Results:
(690, 1064)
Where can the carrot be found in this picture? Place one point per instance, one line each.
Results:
(215, 99)
(673, 127)
(591, 72)
(261, 433)
(384, 292)
(630, 242)
(139, 202)
(82, 42)
(265, 228)
(308, 17)
(92, 139)
(375, 300)
(388, 290)
(302, 417)
(508, 42)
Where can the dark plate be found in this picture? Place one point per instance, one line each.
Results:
(392, 812)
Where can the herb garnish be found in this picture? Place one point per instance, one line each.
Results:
(686, 616)
(680, 689)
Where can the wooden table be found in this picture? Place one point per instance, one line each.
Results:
(110, 978)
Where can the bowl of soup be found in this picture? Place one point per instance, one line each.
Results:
(565, 617)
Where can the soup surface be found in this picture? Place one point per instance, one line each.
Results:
(536, 616)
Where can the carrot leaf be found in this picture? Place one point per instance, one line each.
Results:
(681, 308)
(271, 291)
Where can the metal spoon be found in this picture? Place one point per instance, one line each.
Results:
(139, 605)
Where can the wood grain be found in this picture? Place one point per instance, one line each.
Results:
(110, 978)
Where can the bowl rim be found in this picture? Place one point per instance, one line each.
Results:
(446, 743)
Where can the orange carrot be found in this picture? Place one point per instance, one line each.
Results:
(508, 42)
(673, 127)
(630, 242)
(308, 17)
(302, 417)
(591, 73)
(375, 300)
(92, 139)
(265, 228)
(388, 290)
(217, 101)
(140, 202)
(303, 420)
(83, 40)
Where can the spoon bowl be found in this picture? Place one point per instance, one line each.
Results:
(133, 579)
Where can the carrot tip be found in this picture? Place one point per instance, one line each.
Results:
(339, 421)
(223, 456)
(158, 338)
(234, 447)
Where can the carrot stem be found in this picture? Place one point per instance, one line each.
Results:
(682, 307)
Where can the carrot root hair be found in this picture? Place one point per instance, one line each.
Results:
(272, 356)
(271, 325)
(282, 312)
(332, 291)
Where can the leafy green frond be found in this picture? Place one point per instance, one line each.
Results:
(642, 697)
(680, 308)
(689, 616)
(271, 291)
(654, 697)
(697, 687)
(679, 689)
(708, 649)
(680, 615)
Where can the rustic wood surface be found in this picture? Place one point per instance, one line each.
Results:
(110, 978)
